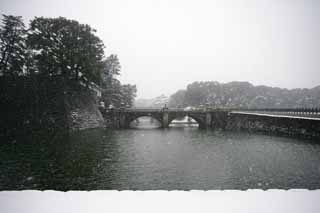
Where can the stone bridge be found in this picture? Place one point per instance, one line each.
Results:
(206, 118)
(305, 122)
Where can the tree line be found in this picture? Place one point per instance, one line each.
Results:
(243, 95)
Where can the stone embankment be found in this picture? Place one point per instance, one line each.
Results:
(275, 124)
(84, 112)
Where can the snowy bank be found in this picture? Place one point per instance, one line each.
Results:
(295, 200)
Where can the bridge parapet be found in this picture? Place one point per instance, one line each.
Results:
(300, 112)
(288, 110)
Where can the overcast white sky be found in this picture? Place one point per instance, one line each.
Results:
(165, 44)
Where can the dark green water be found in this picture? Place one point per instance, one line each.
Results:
(175, 158)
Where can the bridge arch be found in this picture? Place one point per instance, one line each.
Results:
(198, 119)
(123, 117)
(131, 118)
(184, 120)
(200, 122)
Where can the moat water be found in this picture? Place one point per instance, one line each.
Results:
(178, 158)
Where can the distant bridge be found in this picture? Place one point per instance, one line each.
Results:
(289, 121)
(165, 116)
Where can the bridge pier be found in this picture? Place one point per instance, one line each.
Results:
(122, 121)
(165, 119)
(208, 120)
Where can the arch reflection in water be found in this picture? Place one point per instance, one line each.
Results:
(185, 121)
(145, 122)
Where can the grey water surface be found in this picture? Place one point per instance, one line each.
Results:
(168, 159)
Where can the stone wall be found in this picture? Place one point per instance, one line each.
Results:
(275, 125)
(83, 111)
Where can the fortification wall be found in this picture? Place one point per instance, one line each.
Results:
(83, 111)
(276, 125)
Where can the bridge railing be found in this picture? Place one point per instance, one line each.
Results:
(288, 111)
(152, 109)
(170, 109)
